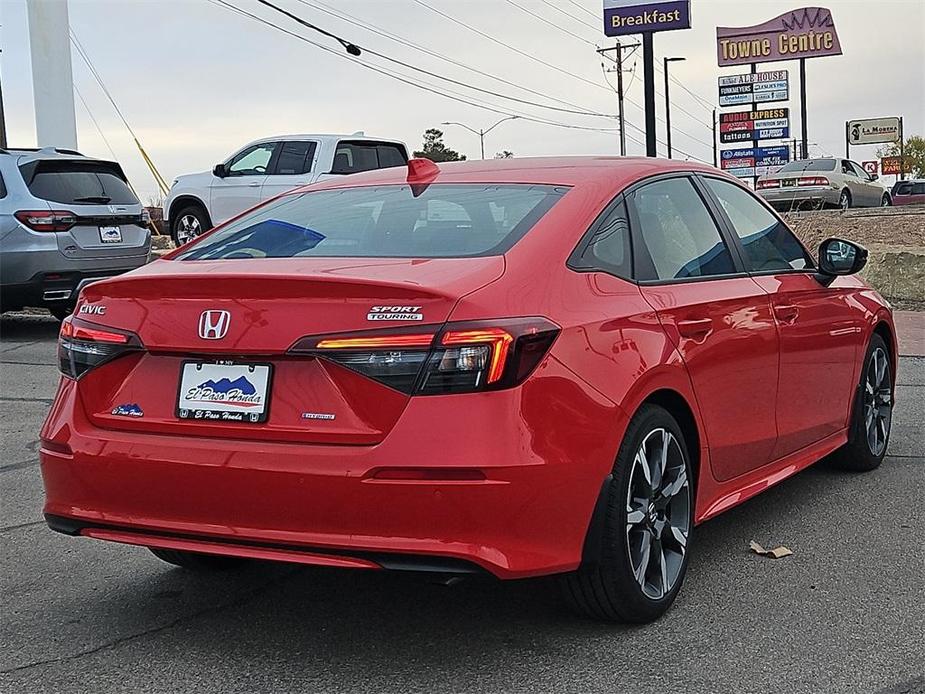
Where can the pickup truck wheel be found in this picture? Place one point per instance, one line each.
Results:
(188, 223)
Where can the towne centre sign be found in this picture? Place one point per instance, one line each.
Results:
(808, 32)
(805, 33)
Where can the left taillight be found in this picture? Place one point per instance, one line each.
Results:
(460, 357)
(47, 220)
(83, 346)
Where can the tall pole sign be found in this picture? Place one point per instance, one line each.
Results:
(622, 17)
(808, 32)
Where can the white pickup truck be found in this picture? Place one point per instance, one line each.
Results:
(264, 168)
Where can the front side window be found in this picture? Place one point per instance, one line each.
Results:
(904, 189)
(295, 158)
(847, 169)
(253, 161)
(443, 221)
(679, 234)
(769, 245)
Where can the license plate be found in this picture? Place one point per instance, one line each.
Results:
(110, 235)
(788, 182)
(224, 392)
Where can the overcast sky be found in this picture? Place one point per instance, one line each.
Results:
(196, 81)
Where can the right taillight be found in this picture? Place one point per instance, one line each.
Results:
(812, 181)
(83, 346)
(47, 220)
(461, 357)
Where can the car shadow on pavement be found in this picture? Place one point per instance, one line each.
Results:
(27, 327)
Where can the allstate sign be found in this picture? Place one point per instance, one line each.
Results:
(641, 16)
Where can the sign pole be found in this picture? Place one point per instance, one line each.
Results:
(714, 138)
(803, 107)
(648, 64)
(847, 142)
(754, 131)
(902, 152)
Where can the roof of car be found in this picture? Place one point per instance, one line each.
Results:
(570, 170)
(326, 136)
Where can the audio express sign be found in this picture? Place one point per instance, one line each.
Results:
(746, 126)
(754, 161)
(754, 88)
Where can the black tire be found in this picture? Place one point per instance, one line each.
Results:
(60, 312)
(189, 222)
(886, 201)
(608, 590)
(844, 200)
(860, 454)
(195, 561)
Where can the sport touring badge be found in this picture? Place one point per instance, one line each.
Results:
(378, 313)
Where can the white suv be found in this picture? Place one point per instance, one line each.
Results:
(268, 167)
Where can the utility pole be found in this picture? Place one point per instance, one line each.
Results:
(621, 117)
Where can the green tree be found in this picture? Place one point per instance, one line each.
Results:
(913, 151)
(504, 154)
(435, 150)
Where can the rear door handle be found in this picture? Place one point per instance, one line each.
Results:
(695, 328)
(786, 313)
(254, 184)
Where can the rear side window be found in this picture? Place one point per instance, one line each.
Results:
(904, 189)
(354, 157)
(680, 237)
(918, 189)
(608, 249)
(295, 158)
(443, 221)
(769, 245)
(2, 187)
(78, 183)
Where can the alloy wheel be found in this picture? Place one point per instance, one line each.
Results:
(658, 513)
(844, 202)
(188, 228)
(878, 401)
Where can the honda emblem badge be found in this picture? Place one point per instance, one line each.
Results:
(213, 325)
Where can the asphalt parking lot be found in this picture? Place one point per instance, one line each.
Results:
(845, 613)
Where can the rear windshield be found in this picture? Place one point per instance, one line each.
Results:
(78, 183)
(808, 165)
(443, 221)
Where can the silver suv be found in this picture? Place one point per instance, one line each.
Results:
(65, 220)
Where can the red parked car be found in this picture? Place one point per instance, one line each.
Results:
(515, 367)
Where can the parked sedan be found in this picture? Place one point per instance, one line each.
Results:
(512, 368)
(818, 183)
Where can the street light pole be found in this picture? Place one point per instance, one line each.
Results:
(668, 102)
(481, 133)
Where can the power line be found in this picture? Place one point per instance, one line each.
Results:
(550, 65)
(552, 24)
(509, 47)
(583, 9)
(344, 16)
(420, 85)
(569, 14)
(98, 128)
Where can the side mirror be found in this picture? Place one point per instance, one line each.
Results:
(219, 170)
(874, 177)
(838, 257)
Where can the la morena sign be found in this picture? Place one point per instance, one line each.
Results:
(808, 32)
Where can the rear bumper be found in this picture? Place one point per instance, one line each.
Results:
(60, 287)
(321, 503)
(795, 198)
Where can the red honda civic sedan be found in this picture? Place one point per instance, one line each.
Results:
(515, 367)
